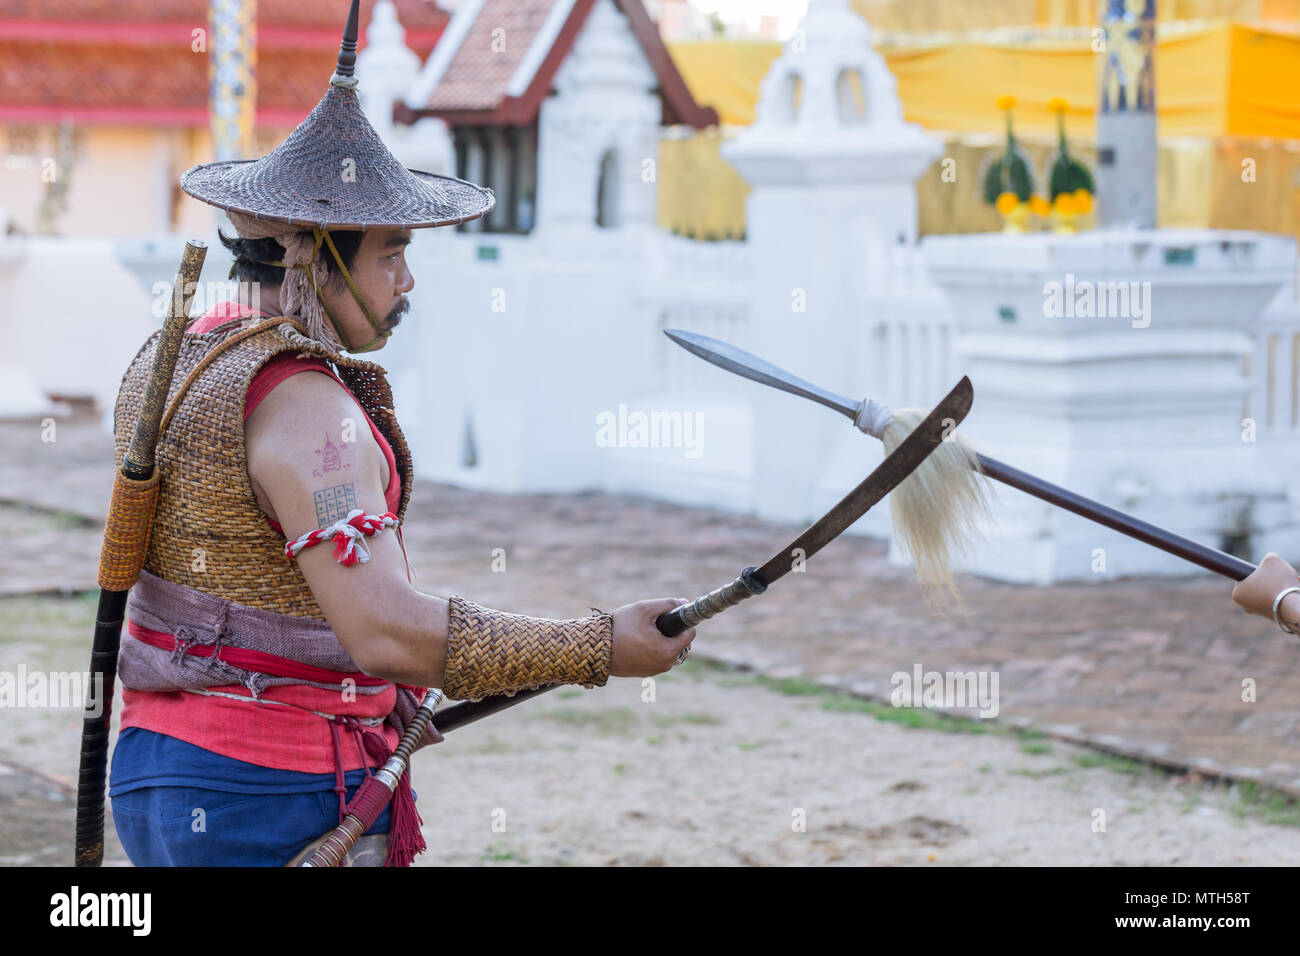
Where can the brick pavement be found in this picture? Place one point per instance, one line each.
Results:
(1144, 667)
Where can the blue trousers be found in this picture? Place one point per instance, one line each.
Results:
(175, 804)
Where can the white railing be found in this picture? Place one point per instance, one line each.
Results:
(1274, 398)
(910, 341)
(1273, 401)
(700, 287)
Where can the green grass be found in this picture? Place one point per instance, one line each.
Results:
(25, 617)
(793, 686)
(618, 722)
(914, 717)
(839, 701)
(1249, 799)
(1035, 774)
(1125, 765)
(501, 853)
(48, 633)
(495, 745)
(696, 719)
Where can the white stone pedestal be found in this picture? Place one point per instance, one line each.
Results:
(833, 165)
(1113, 363)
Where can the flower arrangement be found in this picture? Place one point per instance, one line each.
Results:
(1009, 179)
(1070, 183)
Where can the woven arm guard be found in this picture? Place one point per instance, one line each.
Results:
(492, 652)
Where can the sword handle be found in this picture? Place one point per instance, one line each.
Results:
(330, 849)
(671, 623)
(139, 459)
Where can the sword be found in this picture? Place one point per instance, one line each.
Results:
(369, 801)
(330, 849)
(747, 365)
(126, 546)
(923, 440)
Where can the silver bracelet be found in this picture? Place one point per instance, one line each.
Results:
(1277, 606)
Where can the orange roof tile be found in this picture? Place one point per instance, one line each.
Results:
(477, 76)
(130, 61)
(474, 86)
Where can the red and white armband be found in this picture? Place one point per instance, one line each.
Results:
(348, 534)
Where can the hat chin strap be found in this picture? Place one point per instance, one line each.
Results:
(324, 236)
(383, 333)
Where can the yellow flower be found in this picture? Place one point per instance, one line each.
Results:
(1083, 201)
(1007, 203)
(1065, 204)
(1006, 102)
(1057, 105)
(1039, 206)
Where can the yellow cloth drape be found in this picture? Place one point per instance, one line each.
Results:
(701, 196)
(1226, 93)
(927, 16)
(1216, 80)
(1225, 183)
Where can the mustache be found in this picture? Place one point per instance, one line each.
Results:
(395, 316)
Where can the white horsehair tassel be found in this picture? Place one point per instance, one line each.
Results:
(935, 510)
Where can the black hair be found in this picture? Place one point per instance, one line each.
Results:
(250, 254)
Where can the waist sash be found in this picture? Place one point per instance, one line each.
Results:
(214, 642)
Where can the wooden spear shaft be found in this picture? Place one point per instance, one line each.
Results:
(1209, 558)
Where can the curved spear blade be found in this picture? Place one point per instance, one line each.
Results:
(742, 363)
(750, 366)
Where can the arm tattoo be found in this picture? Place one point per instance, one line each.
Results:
(331, 459)
(334, 503)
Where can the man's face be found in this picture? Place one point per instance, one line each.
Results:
(382, 278)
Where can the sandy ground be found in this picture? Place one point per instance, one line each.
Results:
(721, 768)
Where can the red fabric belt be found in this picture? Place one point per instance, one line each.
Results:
(249, 660)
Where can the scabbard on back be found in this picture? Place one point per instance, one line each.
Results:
(126, 533)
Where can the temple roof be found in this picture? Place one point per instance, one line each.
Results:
(472, 79)
(130, 62)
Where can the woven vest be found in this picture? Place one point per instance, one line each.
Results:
(209, 533)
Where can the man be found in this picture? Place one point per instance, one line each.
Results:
(264, 674)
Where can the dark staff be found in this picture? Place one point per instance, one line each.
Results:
(126, 545)
(750, 366)
(330, 849)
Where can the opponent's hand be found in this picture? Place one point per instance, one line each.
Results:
(1257, 592)
(640, 650)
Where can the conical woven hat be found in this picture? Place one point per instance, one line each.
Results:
(336, 173)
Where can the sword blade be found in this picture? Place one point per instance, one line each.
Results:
(750, 366)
